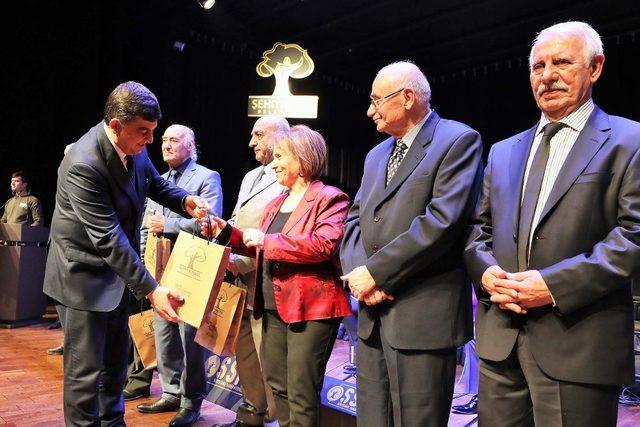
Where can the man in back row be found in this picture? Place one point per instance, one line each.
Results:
(259, 186)
(22, 208)
(181, 361)
(554, 246)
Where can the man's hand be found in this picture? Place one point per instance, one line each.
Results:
(211, 225)
(505, 298)
(165, 302)
(528, 288)
(360, 282)
(377, 296)
(489, 277)
(196, 206)
(253, 238)
(155, 223)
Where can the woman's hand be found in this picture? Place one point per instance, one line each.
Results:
(212, 225)
(253, 238)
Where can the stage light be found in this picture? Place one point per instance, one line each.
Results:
(206, 4)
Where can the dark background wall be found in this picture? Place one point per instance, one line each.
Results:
(63, 58)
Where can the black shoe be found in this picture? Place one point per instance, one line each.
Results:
(237, 424)
(160, 405)
(55, 351)
(55, 325)
(471, 408)
(184, 418)
(133, 395)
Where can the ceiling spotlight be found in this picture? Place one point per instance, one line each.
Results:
(206, 4)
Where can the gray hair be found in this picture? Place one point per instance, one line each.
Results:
(410, 76)
(190, 136)
(278, 123)
(592, 43)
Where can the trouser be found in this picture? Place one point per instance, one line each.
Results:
(403, 387)
(516, 392)
(181, 363)
(295, 360)
(255, 391)
(96, 345)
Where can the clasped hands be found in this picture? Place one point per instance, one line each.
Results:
(516, 291)
(363, 286)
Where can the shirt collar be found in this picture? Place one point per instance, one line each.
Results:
(576, 120)
(410, 136)
(180, 169)
(121, 153)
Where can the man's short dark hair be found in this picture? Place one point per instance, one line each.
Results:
(22, 176)
(132, 100)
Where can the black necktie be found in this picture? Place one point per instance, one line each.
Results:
(397, 155)
(129, 166)
(532, 192)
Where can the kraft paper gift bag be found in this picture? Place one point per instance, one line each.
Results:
(220, 328)
(195, 270)
(156, 254)
(142, 334)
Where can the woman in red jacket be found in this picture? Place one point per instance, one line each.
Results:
(298, 288)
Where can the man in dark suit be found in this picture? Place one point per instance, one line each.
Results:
(181, 361)
(554, 245)
(402, 252)
(93, 264)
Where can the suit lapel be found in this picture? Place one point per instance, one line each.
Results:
(304, 206)
(267, 180)
(517, 165)
(189, 172)
(414, 156)
(116, 168)
(595, 132)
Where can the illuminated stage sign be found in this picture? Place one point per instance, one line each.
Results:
(284, 60)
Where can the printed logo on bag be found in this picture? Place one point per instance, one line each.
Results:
(222, 297)
(195, 256)
(284, 61)
(147, 326)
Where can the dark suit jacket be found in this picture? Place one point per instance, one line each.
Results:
(586, 246)
(93, 248)
(410, 236)
(305, 270)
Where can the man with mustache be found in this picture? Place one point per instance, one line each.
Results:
(553, 249)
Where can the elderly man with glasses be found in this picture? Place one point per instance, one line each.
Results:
(402, 253)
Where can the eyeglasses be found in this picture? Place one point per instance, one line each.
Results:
(377, 103)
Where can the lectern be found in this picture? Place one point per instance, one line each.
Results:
(23, 254)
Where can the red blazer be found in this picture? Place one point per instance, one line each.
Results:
(306, 268)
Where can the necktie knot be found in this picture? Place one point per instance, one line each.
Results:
(550, 129)
(397, 155)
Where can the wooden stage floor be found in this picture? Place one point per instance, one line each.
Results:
(31, 386)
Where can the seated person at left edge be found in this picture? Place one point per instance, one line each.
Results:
(298, 288)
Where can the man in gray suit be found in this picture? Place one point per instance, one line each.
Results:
(554, 246)
(181, 361)
(259, 186)
(402, 253)
(93, 265)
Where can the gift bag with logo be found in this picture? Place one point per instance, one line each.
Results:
(219, 329)
(156, 254)
(195, 270)
(142, 334)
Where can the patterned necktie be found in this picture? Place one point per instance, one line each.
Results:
(532, 192)
(397, 155)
